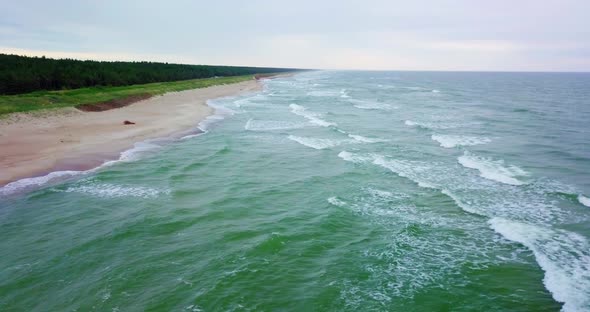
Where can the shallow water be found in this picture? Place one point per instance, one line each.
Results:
(328, 191)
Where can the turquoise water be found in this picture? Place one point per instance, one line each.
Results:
(328, 191)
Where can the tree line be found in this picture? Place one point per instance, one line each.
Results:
(22, 74)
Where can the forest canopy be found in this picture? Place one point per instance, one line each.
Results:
(22, 74)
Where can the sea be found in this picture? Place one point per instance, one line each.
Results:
(325, 191)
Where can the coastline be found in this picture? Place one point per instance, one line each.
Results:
(34, 145)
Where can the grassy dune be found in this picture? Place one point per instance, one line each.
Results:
(71, 98)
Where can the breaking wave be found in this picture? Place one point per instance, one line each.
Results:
(316, 143)
(432, 125)
(372, 105)
(450, 141)
(363, 139)
(493, 169)
(270, 125)
(311, 116)
(563, 255)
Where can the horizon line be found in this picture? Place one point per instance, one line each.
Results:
(41, 55)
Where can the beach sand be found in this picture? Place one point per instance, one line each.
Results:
(35, 144)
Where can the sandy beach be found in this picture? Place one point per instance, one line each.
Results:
(69, 139)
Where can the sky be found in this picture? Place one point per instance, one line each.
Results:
(471, 35)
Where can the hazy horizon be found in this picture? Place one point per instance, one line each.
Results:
(344, 35)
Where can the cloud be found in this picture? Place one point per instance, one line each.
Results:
(345, 34)
(475, 46)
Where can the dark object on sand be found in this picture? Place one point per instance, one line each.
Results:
(127, 122)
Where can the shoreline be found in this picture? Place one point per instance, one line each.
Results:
(35, 145)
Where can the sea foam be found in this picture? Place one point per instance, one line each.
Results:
(450, 141)
(344, 93)
(316, 143)
(404, 168)
(336, 202)
(270, 125)
(322, 93)
(563, 255)
(352, 157)
(29, 183)
(194, 135)
(221, 112)
(106, 190)
(363, 139)
(584, 200)
(311, 116)
(320, 143)
(241, 102)
(492, 169)
(26, 184)
(473, 194)
(371, 105)
(432, 125)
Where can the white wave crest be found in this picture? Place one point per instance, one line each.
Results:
(207, 122)
(352, 157)
(139, 149)
(517, 215)
(403, 168)
(371, 105)
(415, 88)
(322, 93)
(190, 136)
(336, 202)
(363, 139)
(27, 183)
(316, 143)
(563, 255)
(450, 141)
(241, 102)
(106, 190)
(462, 204)
(530, 204)
(269, 125)
(344, 93)
(431, 125)
(253, 100)
(380, 193)
(220, 113)
(311, 116)
(584, 200)
(492, 169)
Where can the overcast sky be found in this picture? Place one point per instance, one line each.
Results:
(516, 35)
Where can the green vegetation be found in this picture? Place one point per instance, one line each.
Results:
(70, 98)
(21, 74)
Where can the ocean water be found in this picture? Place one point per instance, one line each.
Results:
(327, 191)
